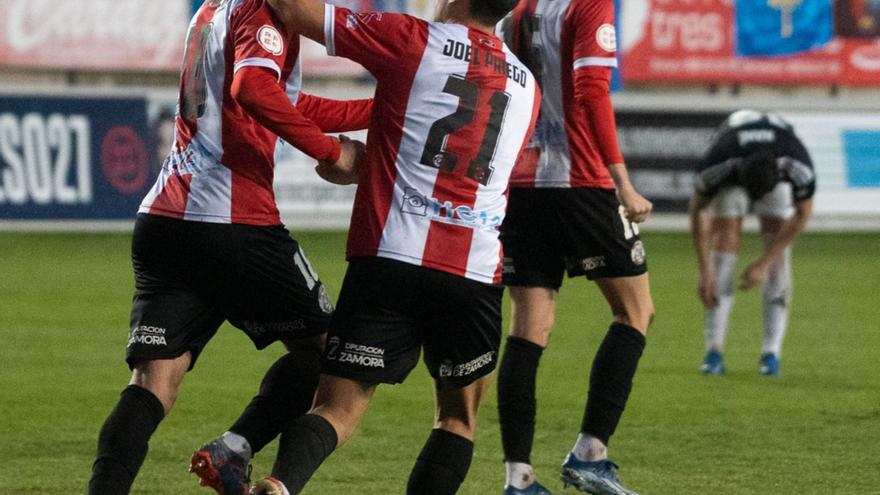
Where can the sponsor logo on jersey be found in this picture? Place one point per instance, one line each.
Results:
(147, 335)
(590, 264)
(270, 39)
(415, 203)
(450, 370)
(751, 136)
(606, 37)
(638, 253)
(358, 354)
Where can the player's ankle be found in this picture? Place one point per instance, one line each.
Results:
(519, 474)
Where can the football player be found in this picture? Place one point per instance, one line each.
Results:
(755, 163)
(453, 108)
(572, 209)
(209, 245)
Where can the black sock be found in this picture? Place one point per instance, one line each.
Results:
(516, 398)
(442, 465)
(286, 393)
(303, 447)
(611, 380)
(123, 441)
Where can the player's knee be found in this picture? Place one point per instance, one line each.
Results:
(536, 329)
(464, 425)
(638, 316)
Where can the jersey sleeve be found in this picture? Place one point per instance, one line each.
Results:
(797, 168)
(375, 40)
(258, 38)
(591, 27)
(718, 165)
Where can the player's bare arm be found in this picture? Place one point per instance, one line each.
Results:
(636, 207)
(302, 16)
(756, 273)
(699, 225)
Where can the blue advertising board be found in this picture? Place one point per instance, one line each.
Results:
(73, 157)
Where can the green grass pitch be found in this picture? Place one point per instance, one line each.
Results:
(64, 302)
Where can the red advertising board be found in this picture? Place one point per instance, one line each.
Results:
(99, 34)
(114, 35)
(692, 41)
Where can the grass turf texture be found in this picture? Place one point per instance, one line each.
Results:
(65, 302)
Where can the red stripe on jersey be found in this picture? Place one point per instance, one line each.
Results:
(171, 202)
(452, 243)
(587, 167)
(375, 192)
(523, 174)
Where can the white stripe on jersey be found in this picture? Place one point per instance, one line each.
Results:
(554, 169)
(210, 196)
(209, 134)
(408, 222)
(329, 29)
(294, 82)
(258, 62)
(595, 62)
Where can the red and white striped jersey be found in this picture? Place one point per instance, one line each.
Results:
(452, 111)
(556, 38)
(221, 166)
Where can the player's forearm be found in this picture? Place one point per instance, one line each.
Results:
(620, 176)
(255, 89)
(336, 115)
(305, 17)
(592, 92)
(699, 227)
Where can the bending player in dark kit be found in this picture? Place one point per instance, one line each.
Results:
(209, 245)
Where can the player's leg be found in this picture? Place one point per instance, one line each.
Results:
(533, 270)
(170, 325)
(125, 435)
(532, 316)
(445, 458)
(774, 209)
(273, 293)
(340, 403)
(461, 328)
(730, 206)
(371, 341)
(608, 250)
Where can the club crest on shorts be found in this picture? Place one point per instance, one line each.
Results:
(324, 300)
(638, 253)
(590, 264)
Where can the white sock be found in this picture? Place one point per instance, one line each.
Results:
(717, 318)
(589, 448)
(519, 474)
(237, 443)
(777, 296)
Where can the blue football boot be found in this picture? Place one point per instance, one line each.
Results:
(769, 364)
(534, 489)
(221, 468)
(713, 364)
(596, 477)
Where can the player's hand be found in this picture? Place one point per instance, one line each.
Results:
(754, 275)
(635, 206)
(708, 289)
(346, 169)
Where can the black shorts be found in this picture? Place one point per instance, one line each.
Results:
(580, 230)
(191, 276)
(389, 310)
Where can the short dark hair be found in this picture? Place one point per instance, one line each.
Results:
(489, 12)
(759, 173)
